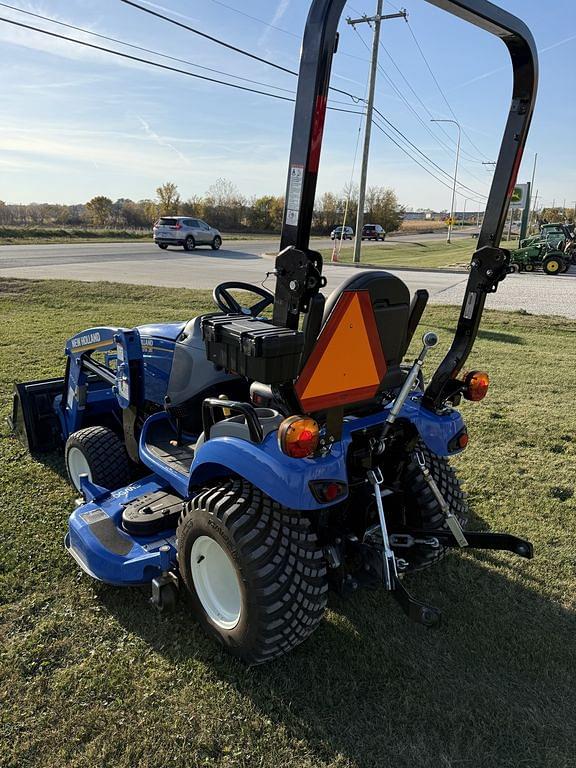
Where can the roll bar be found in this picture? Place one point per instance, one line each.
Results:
(298, 269)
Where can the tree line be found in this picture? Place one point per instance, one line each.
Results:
(222, 206)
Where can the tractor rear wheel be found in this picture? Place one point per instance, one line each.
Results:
(421, 509)
(552, 265)
(254, 570)
(99, 453)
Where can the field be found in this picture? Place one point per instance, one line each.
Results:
(432, 254)
(92, 676)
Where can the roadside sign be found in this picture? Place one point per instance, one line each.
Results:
(519, 196)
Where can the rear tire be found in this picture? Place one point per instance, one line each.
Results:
(189, 243)
(265, 591)
(99, 453)
(552, 265)
(162, 246)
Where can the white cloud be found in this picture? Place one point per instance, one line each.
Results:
(281, 9)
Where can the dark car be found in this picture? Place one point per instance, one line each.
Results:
(373, 232)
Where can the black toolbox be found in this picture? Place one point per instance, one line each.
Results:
(253, 348)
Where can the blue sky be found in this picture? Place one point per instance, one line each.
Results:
(75, 123)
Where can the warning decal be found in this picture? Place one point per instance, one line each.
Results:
(294, 194)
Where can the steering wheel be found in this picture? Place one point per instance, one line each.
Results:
(227, 303)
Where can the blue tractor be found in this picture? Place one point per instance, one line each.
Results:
(255, 456)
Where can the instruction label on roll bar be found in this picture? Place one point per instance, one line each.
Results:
(294, 194)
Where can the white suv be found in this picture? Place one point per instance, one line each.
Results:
(185, 232)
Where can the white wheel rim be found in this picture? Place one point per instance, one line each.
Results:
(216, 582)
(77, 465)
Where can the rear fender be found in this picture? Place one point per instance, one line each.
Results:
(284, 479)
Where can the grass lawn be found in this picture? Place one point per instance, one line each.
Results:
(91, 676)
(431, 253)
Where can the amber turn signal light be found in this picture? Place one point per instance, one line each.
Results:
(298, 436)
(476, 385)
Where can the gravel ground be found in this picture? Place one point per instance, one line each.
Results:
(538, 294)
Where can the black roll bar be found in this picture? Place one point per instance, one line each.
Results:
(489, 264)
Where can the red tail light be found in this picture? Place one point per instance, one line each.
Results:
(298, 436)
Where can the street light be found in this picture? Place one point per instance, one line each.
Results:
(439, 120)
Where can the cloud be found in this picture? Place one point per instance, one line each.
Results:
(162, 142)
(278, 14)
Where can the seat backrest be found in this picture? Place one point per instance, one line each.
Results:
(390, 299)
(362, 342)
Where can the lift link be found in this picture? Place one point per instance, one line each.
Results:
(451, 519)
(390, 572)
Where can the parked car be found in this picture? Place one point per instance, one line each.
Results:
(336, 233)
(373, 232)
(185, 232)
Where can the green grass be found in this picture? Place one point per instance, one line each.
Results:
(430, 254)
(38, 235)
(92, 676)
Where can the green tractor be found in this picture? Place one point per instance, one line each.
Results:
(539, 254)
(559, 236)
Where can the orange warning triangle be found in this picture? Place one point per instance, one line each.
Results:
(347, 364)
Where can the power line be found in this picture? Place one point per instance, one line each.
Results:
(142, 48)
(428, 171)
(424, 155)
(231, 47)
(440, 88)
(255, 18)
(410, 107)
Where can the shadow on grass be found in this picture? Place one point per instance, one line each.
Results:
(493, 686)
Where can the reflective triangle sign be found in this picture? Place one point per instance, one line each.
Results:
(347, 364)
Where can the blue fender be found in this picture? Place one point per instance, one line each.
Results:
(265, 466)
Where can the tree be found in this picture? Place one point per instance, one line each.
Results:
(224, 206)
(168, 199)
(382, 207)
(100, 210)
(266, 213)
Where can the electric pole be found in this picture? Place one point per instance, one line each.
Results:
(376, 19)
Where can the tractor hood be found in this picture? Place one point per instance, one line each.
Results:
(169, 331)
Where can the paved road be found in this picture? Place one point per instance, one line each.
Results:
(144, 264)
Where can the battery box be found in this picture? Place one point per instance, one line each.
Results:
(253, 347)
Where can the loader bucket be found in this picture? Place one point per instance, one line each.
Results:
(34, 419)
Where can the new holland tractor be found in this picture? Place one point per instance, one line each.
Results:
(251, 462)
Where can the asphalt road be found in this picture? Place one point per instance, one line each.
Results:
(145, 264)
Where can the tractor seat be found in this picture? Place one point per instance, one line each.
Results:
(390, 300)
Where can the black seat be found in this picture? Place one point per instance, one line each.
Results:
(390, 299)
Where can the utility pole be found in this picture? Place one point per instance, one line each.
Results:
(377, 19)
(450, 223)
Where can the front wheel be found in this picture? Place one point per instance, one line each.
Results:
(99, 453)
(163, 246)
(216, 243)
(254, 570)
(189, 243)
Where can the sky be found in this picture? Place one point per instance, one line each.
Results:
(76, 122)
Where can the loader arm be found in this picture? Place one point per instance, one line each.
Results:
(298, 269)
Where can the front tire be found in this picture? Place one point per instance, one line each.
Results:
(216, 243)
(99, 453)
(254, 570)
(189, 243)
(552, 265)
(163, 246)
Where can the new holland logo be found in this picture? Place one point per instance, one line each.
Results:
(83, 341)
